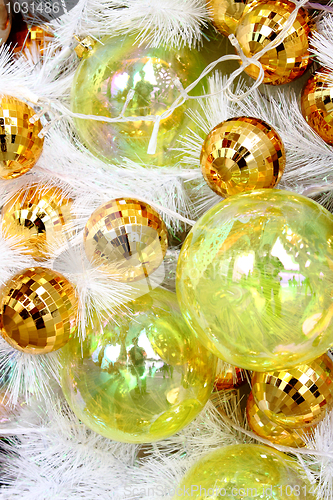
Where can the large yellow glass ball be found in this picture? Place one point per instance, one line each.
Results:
(20, 145)
(40, 218)
(317, 104)
(142, 375)
(261, 23)
(38, 310)
(298, 397)
(102, 83)
(242, 154)
(255, 279)
(245, 471)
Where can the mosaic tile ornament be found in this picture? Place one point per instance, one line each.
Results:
(229, 377)
(255, 279)
(317, 104)
(127, 238)
(245, 471)
(34, 36)
(298, 397)
(261, 23)
(225, 14)
(38, 310)
(20, 146)
(242, 154)
(40, 218)
(141, 376)
(261, 425)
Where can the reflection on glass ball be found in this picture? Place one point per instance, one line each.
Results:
(142, 375)
(102, 84)
(245, 471)
(255, 279)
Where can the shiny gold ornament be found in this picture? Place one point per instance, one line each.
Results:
(5, 21)
(245, 471)
(225, 14)
(118, 67)
(40, 218)
(141, 376)
(275, 433)
(298, 397)
(242, 154)
(317, 104)
(262, 22)
(127, 238)
(20, 144)
(228, 377)
(38, 311)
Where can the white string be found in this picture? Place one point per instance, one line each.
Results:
(184, 92)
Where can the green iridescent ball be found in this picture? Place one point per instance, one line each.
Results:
(255, 280)
(245, 471)
(142, 375)
(102, 84)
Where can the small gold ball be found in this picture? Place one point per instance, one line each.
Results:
(20, 144)
(225, 14)
(229, 377)
(261, 23)
(40, 218)
(127, 238)
(297, 397)
(38, 309)
(275, 433)
(317, 104)
(242, 154)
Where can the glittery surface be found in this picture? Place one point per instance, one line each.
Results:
(317, 105)
(260, 24)
(19, 141)
(245, 471)
(298, 397)
(127, 237)
(38, 311)
(102, 83)
(229, 378)
(39, 218)
(265, 428)
(141, 376)
(225, 14)
(255, 279)
(242, 154)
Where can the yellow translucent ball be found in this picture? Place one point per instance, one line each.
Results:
(142, 375)
(102, 84)
(255, 279)
(245, 471)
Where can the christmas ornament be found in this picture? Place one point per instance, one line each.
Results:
(225, 14)
(141, 376)
(5, 21)
(242, 154)
(246, 471)
(40, 217)
(255, 279)
(265, 428)
(228, 377)
(298, 397)
(34, 38)
(20, 144)
(127, 238)
(38, 311)
(261, 23)
(317, 104)
(119, 72)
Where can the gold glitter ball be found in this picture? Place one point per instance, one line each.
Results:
(127, 238)
(228, 376)
(242, 154)
(38, 311)
(317, 104)
(275, 433)
(20, 144)
(225, 14)
(40, 218)
(260, 24)
(298, 397)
